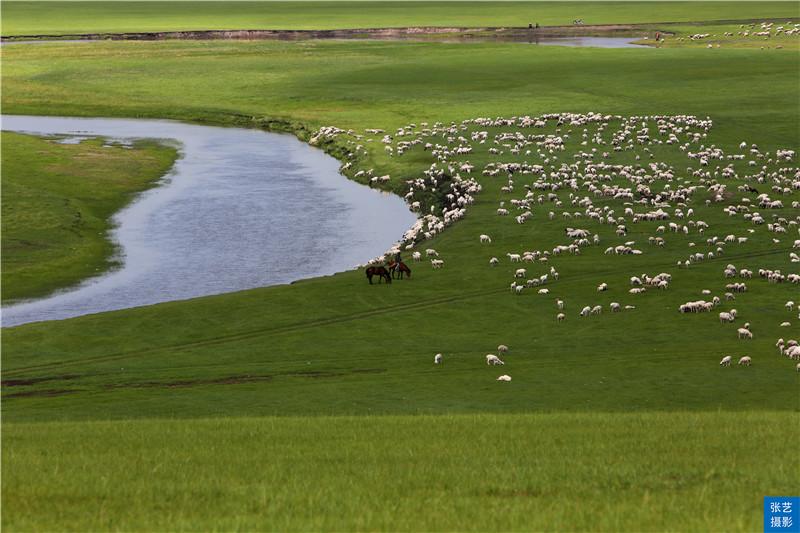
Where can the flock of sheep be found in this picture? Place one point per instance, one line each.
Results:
(764, 31)
(612, 178)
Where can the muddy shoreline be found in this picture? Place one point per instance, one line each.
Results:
(419, 33)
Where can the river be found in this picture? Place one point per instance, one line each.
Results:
(240, 209)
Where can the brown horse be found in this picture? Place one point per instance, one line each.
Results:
(378, 271)
(400, 269)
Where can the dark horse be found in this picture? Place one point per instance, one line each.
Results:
(399, 268)
(378, 271)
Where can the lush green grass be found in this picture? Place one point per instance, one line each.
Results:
(337, 345)
(57, 204)
(372, 84)
(53, 18)
(553, 472)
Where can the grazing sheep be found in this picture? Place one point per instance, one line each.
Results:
(745, 361)
(502, 348)
(437, 358)
(615, 307)
(560, 304)
(560, 317)
(544, 291)
(437, 263)
(494, 261)
(726, 361)
(585, 311)
(790, 305)
(416, 256)
(504, 377)
(744, 333)
(602, 287)
(485, 239)
(492, 359)
(520, 273)
(785, 324)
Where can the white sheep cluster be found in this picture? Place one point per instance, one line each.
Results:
(598, 178)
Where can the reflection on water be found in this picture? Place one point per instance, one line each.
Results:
(240, 209)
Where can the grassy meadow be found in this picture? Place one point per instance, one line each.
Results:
(535, 472)
(57, 203)
(317, 406)
(64, 17)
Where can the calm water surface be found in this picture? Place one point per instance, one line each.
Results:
(240, 209)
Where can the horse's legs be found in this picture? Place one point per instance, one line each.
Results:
(369, 278)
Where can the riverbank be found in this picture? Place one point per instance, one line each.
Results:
(509, 34)
(233, 215)
(58, 200)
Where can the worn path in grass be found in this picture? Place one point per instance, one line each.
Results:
(57, 204)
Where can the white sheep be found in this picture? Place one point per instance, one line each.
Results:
(485, 239)
(726, 361)
(492, 359)
(416, 256)
(502, 348)
(560, 304)
(504, 377)
(560, 317)
(437, 358)
(744, 333)
(615, 307)
(745, 361)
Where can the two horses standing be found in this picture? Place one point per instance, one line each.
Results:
(392, 270)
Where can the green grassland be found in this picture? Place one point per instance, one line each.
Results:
(57, 203)
(147, 378)
(337, 345)
(54, 18)
(573, 472)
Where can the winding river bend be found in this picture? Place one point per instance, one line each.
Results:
(240, 209)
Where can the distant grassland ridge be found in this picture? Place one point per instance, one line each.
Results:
(54, 18)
